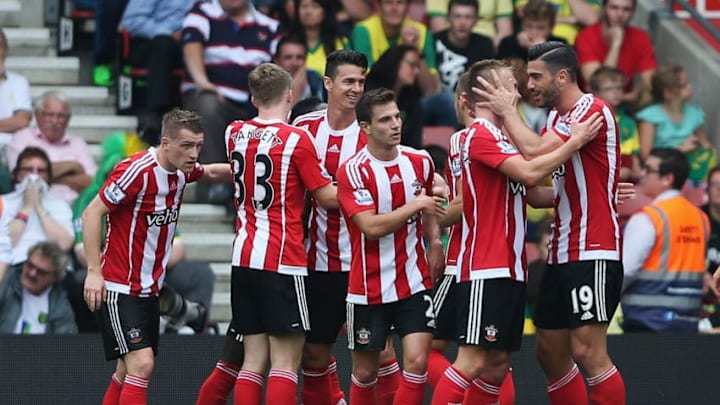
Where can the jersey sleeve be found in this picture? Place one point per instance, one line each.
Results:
(488, 149)
(353, 195)
(121, 187)
(312, 173)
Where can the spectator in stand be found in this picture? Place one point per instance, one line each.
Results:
(391, 27)
(32, 300)
(107, 18)
(537, 22)
(5, 246)
(15, 104)
(316, 25)
(671, 122)
(73, 166)
(223, 41)
(664, 251)
(571, 16)
(398, 70)
(710, 315)
(494, 18)
(154, 27)
(291, 53)
(347, 13)
(614, 43)
(456, 48)
(36, 215)
(608, 83)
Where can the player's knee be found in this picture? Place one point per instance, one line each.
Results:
(585, 354)
(141, 364)
(365, 375)
(315, 356)
(497, 366)
(415, 363)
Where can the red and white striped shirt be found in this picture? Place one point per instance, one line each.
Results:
(453, 172)
(493, 234)
(144, 201)
(393, 267)
(273, 165)
(328, 242)
(586, 224)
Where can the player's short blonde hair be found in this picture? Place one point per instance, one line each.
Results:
(269, 83)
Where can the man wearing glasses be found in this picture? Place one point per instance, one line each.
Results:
(665, 247)
(73, 165)
(31, 298)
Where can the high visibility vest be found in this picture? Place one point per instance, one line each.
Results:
(667, 292)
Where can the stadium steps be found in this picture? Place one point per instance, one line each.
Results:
(207, 231)
(46, 69)
(30, 41)
(85, 100)
(94, 128)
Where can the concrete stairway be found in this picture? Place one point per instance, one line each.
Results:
(206, 230)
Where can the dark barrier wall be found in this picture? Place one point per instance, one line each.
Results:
(673, 369)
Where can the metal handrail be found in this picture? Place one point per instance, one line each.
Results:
(695, 15)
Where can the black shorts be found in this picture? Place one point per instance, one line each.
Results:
(326, 301)
(491, 313)
(445, 303)
(267, 302)
(369, 325)
(578, 293)
(128, 323)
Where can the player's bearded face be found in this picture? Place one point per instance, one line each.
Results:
(542, 84)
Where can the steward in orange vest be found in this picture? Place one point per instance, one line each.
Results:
(663, 293)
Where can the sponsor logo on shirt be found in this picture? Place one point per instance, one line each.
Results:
(559, 172)
(114, 193)
(363, 197)
(160, 218)
(517, 188)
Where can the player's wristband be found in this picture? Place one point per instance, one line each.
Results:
(22, 216)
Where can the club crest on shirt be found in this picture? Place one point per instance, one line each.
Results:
(113, 193)
(362, 336)
(417, 185)
(559, 172)
(491, 333)
(134, 335)
(363, 197)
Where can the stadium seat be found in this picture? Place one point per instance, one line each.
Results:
(131, 78)
(438, 135)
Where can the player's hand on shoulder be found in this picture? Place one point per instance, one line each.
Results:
(585, 131)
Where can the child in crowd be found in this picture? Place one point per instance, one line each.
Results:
(608, 84)
(670, 121)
